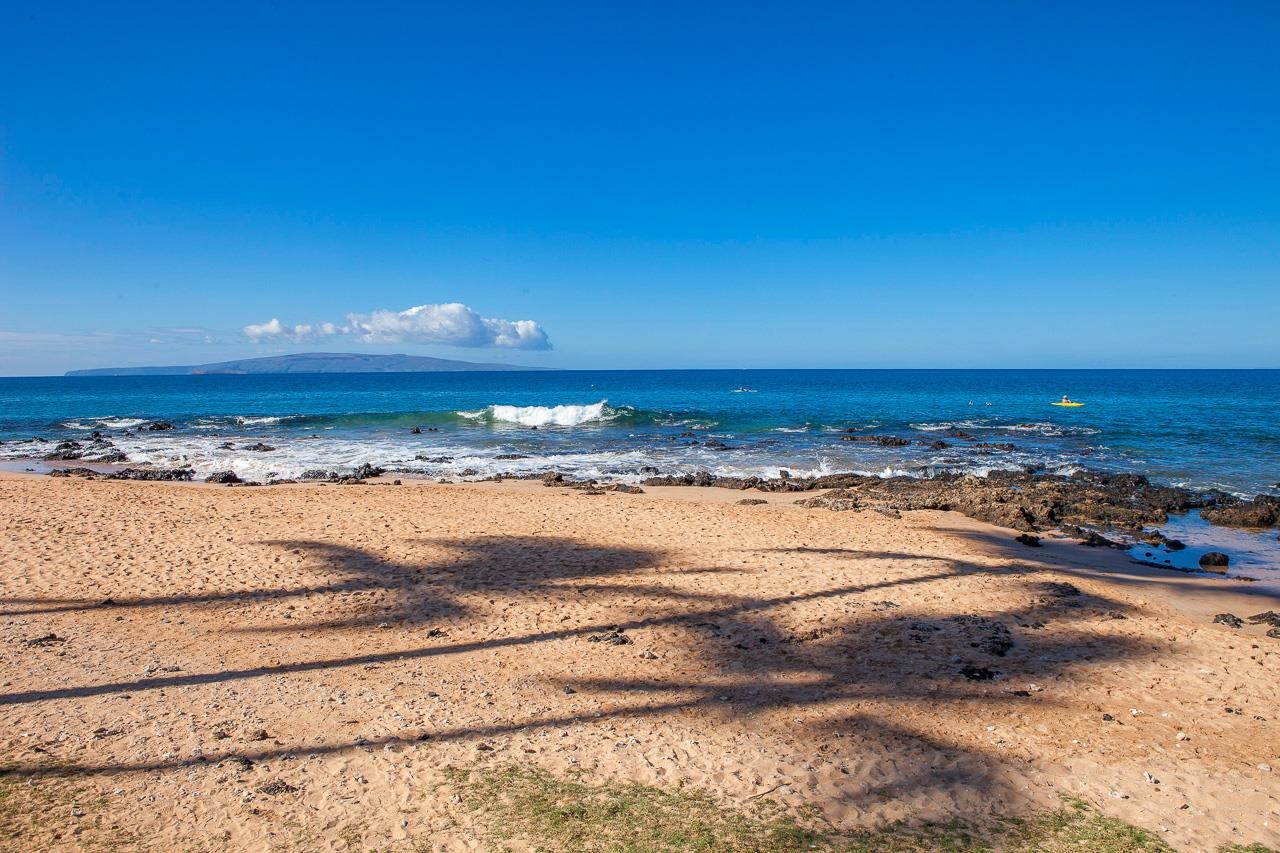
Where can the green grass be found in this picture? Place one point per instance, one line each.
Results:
(554, 814)
(35, 814)
(551, 814)
(1074, 827)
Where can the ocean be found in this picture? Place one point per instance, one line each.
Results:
(1196, 428)
(1202, 429)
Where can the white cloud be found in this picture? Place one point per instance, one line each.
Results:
(450, 323)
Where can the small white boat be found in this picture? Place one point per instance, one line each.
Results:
(744, 390)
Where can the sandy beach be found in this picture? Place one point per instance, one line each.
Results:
(306, 667)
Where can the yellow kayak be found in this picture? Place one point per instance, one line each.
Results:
(1070, 405)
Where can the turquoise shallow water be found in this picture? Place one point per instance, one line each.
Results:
(1204, 429)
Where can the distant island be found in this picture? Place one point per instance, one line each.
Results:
(311, 362)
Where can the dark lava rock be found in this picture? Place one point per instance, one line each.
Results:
(111, 456)
(46, 640)
(626, 489)
(552, 478)
(259, 447)
(510, 456)
(882, 440)
(649, 469)
(614, 637)
(366, 470)
(277, 786)
(1215, 561)
(1228, 619)
(752, 502)
(434, 460)
(318, 474)
(836, 500)
(1005, 446)
(159, 426)
(737, 483)
(688, 434)
(985, 635)
(702, 478)
(87, 473)
(164, 474)
(416, 431)
(1262, 511)
(1274, 633)
(1093, 539)
(937, 445)
(715, 444)
(960, 434)
(977, 673)
(1028, 540)
(222, 477)
(1175, 544)
(1022, 500)
(66, 451)
(1269, 617)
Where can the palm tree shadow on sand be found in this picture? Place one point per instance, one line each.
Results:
(743, 661)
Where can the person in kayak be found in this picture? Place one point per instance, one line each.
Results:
(1067, 399)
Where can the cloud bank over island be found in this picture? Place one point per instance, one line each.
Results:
(449, 323)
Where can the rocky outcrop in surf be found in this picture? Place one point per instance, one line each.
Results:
(1263, 511)
(1027, 501)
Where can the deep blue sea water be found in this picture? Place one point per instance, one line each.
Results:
(1204, 429)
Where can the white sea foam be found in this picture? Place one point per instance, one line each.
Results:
(108, 422)
(945, 425)
(1052, 430)
(540, 416)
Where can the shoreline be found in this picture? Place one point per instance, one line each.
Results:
(1113, 510)
(349, 642)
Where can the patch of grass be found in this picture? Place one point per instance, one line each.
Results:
(351, 834)
(36, 814)
(554, 814)
(1074, 827)
(549, 813)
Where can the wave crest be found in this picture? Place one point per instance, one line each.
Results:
(539, 416)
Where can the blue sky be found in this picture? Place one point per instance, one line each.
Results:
(655, 185)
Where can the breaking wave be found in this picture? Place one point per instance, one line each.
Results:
(108, 422)
(541, 416)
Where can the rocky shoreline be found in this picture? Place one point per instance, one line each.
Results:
(1079, 504)
(1085, 504)
(1023, 500)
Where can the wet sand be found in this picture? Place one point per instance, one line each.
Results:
(352, 642)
